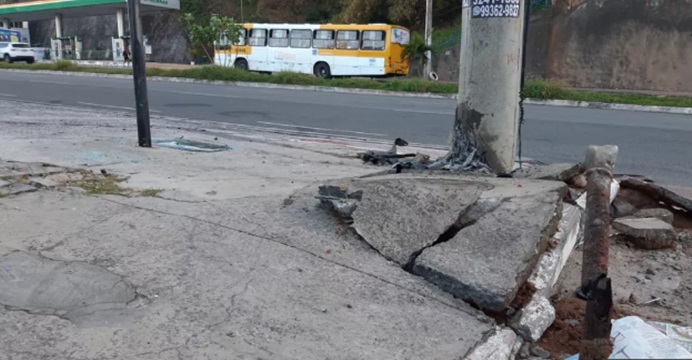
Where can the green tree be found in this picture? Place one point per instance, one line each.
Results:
(415, 51)
(203, 34)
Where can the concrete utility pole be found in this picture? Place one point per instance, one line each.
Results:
(428, 36)
(488, 108)
(139, 74)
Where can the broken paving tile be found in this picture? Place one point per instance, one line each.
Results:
(487, 262)
(646, 233)
(401, 217)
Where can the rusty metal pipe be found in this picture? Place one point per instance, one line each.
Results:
(599, 164)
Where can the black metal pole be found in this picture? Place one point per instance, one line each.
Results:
(139, 74)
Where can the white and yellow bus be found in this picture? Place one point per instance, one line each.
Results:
(323, 50)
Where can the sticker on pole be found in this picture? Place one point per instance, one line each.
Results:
(495, 8)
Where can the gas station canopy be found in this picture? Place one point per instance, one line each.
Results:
(47, 9)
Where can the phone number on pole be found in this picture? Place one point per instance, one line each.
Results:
(495, 8)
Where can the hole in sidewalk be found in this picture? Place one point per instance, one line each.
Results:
(191, 145)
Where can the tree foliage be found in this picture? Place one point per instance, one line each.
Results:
(415, 51)
(203, 33)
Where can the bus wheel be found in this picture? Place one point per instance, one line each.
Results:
(322, 71)
(241, 64)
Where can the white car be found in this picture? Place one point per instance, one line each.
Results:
(16, 51)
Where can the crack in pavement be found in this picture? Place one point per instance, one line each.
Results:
(318, 256)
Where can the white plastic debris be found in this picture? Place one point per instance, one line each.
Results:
(634, 338)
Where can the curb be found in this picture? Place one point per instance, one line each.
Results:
(315, 88)
(610, 106)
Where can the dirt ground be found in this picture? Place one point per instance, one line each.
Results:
(654, 285)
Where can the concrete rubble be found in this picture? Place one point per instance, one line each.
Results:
(646, 233)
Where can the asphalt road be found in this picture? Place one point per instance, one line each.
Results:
(651, 144)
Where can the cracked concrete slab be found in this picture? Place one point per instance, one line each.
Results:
(487, 262)
(70, 290)
(230, 279)
(400, 218)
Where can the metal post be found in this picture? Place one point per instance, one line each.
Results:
(139, 74)
(487, 122)
(428, 36)
(599, 164)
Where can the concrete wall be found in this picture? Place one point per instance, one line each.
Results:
(610, 44)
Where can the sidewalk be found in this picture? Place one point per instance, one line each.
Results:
(216, 266)
(109, 250)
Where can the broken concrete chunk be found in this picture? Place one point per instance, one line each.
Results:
(487, 262)
(663, 214)
(558, 172)
(497, 345)
(343, 208)
(401, 217)
(547, 271)
(684, 236)
(340, 192)
(15, 189)
(629, 201)
(4, 183)
(534, 319)
(646, 233)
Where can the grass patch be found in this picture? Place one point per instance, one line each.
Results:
(95, 184)
(150, 192)
(108, 185)
(535, 89)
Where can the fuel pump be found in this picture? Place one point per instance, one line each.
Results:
(66, 47)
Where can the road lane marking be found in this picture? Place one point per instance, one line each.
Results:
(51, 82)
(205, 94)
(318, 128)
(425, 111)
(114, 107)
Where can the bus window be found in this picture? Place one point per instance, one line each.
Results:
(374, 40)
(258, 37)
(278, 38)
(301, 38)
(223, 43)
(241, 38)
(400, 36)
(347, 39)
(324, 39)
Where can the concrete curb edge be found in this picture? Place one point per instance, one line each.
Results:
(557, 103)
